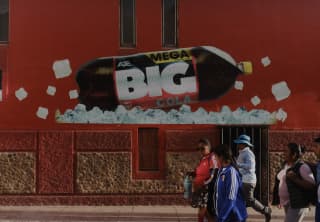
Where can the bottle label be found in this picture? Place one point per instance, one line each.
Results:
(156, 79)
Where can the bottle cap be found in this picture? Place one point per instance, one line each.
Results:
(245, 67)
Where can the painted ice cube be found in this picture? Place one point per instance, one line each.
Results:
(260, 116)
(266, 61)
(108, 117)
(95, 115)
(255, 100)
(42, 112)
(227, 114)
(121, 113)
(281, 115)
(21, 94)
(280, 90)
(152, 116)
(214, 117)
(200, 116)
(61, 68)
(51, 90)
(80, 108)
(239, 114)
(185, 108)
(238, 85)
(73, 94)
(135, 115)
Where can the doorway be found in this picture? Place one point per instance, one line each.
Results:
(259, 138)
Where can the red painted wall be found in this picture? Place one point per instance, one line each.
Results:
(44, 31)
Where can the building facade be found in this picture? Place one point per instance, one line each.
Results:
(55, 151)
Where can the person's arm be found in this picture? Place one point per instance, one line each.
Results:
(306, 181)
(228, 201)
(213, 175)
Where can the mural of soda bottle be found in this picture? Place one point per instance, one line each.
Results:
(158, 79)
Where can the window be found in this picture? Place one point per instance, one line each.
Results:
(169, 23)
(148, 153)
(127, 23)
(259, 138)
(4, 20)
(148, 149)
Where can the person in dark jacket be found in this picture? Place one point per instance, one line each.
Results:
(230, 205)
(317, 152)
(295, 179)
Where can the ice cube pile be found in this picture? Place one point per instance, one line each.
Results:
(183, 115)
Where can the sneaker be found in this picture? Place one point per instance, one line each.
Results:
(267, 213)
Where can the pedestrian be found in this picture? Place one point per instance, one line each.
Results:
(247, 166)
(201, 178)
(295, 179)
(211, 186)
(317, 152)
(229, 201)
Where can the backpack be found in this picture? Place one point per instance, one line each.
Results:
(312, 193)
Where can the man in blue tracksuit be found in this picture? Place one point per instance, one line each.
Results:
(230, 205)
(317, 152)
(229, 202)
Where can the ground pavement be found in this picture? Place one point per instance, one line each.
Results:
(116, 214)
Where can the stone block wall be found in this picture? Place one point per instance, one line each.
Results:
(88, 167)
(96, 167)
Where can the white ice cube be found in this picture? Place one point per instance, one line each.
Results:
(266, 61)
(51, 90)
(61, 68)
(21, 94)
(238, 85)
(280, 90)
(73, 94)
(42, 112)
(200, 116)
(95, 115)
(80, 108)
(281, 115)
(185, 109)
(255, 100)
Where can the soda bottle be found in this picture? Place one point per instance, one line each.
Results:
(158, 79)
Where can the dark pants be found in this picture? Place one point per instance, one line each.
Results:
(317, 219)
(248, 192)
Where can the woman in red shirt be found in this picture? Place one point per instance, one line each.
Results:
(202, 177)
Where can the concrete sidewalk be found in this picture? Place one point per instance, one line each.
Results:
(117, 214)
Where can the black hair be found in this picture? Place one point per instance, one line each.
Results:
(206, 142)
(297, 149)
(224, 151)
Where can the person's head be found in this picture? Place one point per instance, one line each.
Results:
(204, 146)
(294, 152)
(224, 154)
(317, 148)
(243, 141)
